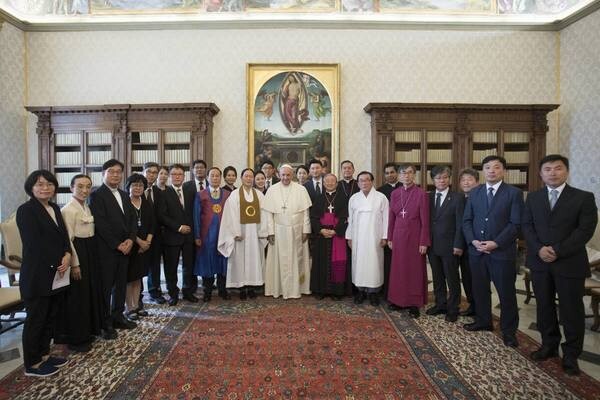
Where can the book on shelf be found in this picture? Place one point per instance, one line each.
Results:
(439, 155)
(407, 137)
(439, 137)
(99, 157)
(479, 155)
(67, 139)
(99, 138)
(68, 157)
(64, 178)
(177, 137)
(63, 198)
(516, 137)
(148, 137)
(413, 156)
(178, 156)
(96, 178)
(485, 137)
(515, 177)
(516, 157)
(144, 156)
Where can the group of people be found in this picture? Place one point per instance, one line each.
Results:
(299, 231)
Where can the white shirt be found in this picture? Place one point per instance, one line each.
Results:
(117, 195)
(320, 182)
(444, 194)
(495, 186)
(558, 189)
(198, 184)
(181, 198)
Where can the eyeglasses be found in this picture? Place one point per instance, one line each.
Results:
(44, 185)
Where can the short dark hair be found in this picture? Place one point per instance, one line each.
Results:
(229, 168)
(176, 166)
(346, 161)
(390, 164)
(135, 178)
(199, 162)
(259, 172)
(267, 162)
(469, 171)
(440, 169)
(150, 164)
(160, 168)
(494, 158)
(248, 169)
(365, 173)
(214, 168)
(402, 167)
(304, 167)
(33, 178)
(79, 176)
(553, 158)
(315, 161)
(111, 163)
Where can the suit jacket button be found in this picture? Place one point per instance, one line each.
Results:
(482, 232)
(486, 219)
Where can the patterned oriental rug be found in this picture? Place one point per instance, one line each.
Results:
(301, 349)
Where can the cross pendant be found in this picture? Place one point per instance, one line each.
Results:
(403, 213)
(330, 208)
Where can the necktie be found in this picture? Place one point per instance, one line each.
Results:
(318, 190)
(150, 195)
(438, 201)
(490, 196)
(553, 198)
(200, 186)
(268, 184)
(180, 195)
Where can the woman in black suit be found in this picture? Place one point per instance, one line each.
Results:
(46, 254)
(136, 185)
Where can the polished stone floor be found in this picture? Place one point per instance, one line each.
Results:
(10, 342)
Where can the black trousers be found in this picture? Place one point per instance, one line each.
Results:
(208, 282)
(444, 271)
(113, 272)
(503, 273)
(171, 258)
(38, 329)
(465, 277)
(387, 262)
(546, 285)
(152, 261)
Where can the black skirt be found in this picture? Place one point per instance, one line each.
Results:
(80, 317)
(137, 265)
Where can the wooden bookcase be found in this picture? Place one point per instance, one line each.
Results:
(79, 139)
(460, 136)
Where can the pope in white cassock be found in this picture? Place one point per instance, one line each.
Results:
(368, 213)
(286, 208)
(243, 237)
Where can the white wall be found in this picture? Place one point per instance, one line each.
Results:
(580, 98)
(69, 68)
(12, 119)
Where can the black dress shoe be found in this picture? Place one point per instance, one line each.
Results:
(337, 297)
(191, 298)
(173, 301)
(158, 299)
(435, 311)
(469, 312)
(132, 316)
(570, 366)
(358, 298)
(109, 334)
(510, 341)
(224, 295)
(251, 293)
(451, 317)
(393, 307)
(142, 313)
(374, 299)
(206, 297)
(473, 327)
(81, 348)
(543, 353)
(123, 323)
(320, 297)
(243, 294)
(414, 312)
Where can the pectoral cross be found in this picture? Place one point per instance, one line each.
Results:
(330, 208)
(403, 213)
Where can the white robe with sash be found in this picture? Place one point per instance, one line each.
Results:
(287, 271)
(367, 225)
(246, 258)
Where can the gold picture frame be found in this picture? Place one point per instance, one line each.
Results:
(293, 114)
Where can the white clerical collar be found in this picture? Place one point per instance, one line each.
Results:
(330, 193)
(348, 180)
(393, 184)
(558, 189)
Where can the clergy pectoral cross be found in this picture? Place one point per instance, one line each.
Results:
(330, 208)
(403, 213)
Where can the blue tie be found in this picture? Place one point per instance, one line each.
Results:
(553, 198)
(490, 196)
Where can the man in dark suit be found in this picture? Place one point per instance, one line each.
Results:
(491, 223)
(116, 226)
(177, 216)
(268, 168)
(558, 220)
(152, 257)
(314, 185)
(199, 182)
(347, 184)
(447, 243)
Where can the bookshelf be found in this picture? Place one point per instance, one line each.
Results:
(460, 136)
(79, 139)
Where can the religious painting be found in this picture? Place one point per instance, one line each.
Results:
(292, 5)
(438, 6)
(358, 5)
(144, 6)
(293, 113)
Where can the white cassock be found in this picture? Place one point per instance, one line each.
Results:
(287, 270)
(367, 225)
(246, 258)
